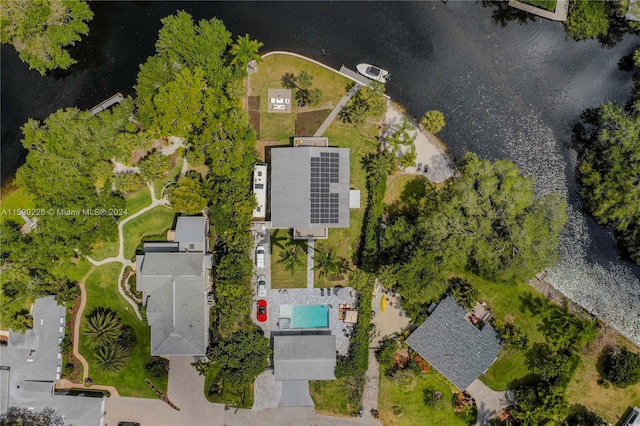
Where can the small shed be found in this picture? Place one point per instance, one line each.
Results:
(279, 100)
(354, 198)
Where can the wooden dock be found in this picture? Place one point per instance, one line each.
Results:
(115, 99)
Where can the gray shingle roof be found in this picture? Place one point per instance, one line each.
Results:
(291, 193)
(454, 346)
(304, 357)
(174, 281)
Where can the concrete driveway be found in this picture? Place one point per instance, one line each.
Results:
(185, 391)
(489, 402)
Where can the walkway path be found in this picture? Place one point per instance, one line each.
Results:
(560, 14)
(78, 321)
(334, 113)
(311, 244)
(488, 401)
(370, 392)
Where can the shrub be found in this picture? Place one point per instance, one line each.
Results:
(128, 339)
(465, 293)
(620, 366)
(385, 354)
(157, 367)
(432, 397)
(511, 335)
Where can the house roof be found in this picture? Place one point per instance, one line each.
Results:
(304, 357)
(30, 364)
(190, 229)
(310, 187)
(175, 293)
(454, 346)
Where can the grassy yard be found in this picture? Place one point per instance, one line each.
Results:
(102, 291)
(331, 397)
(345, 241)
(610, 402)
(154, 222)
(275, 126)
(273, 67)
(280, 277)
(413, 411)
(228, 396)
(14, 199)
(506, 302)
(549, 5)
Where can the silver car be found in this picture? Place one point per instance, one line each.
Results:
(262, 286)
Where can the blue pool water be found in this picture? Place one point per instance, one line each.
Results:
(310, 316)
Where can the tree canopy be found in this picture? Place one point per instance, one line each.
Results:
(609, 155)
(41, 29)
(487, 221)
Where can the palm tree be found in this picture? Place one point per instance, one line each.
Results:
(382, 163)
(103, 328)
(288, 80)
(245, 50)
(305, 80)
(328, 263)
(408, 158)
(111, 358)
(290, 257)
(280, 238)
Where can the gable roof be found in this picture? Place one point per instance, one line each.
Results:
(310, 187)
(454, 346)
(304, 357)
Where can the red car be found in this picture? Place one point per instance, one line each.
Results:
(262, 310)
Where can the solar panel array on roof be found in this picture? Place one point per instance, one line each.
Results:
(325, 170)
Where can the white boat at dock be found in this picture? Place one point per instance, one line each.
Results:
(373, 72)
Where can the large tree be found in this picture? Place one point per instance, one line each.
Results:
(243, 356)
(41, 29)
(609, 155)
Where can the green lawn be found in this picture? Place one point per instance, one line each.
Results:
(275, 126)
(549, 5)
(280, 277)
(136, 201)
(345, 241)
(273, 67)
(102, 291)
(14, 199)
(332, 397)
(229, 397)
(413, 411)
(154, 222)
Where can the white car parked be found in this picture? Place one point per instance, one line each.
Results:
(260, 256)
(262, 286)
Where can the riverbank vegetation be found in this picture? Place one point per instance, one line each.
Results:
(40, 30)
(609, 164)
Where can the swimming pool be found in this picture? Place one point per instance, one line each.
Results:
(310, 316)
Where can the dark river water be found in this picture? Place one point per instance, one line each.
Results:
(510, 92)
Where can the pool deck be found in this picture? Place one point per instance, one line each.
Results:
(336, 297)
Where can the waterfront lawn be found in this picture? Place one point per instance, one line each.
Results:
(280, 277)
(345, 241)
(101, 287)
(332, 397)
(273, 67)
(549, 5)
(14, 199)
(156, 221)
(229, 396)
(506, 302)
(410, 408)
(276, 126)
(610, 402)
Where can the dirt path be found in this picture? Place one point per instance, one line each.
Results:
(76, 324)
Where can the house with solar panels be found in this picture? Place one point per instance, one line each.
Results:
(310, 187)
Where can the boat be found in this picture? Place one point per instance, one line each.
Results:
(373, 72)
